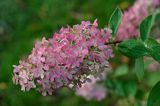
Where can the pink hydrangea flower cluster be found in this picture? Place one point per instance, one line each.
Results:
(93, 90)
(66, 59)
(133, 16)
(157, 3)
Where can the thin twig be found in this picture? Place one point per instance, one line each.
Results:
(115, 42)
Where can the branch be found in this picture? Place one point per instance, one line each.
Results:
(113, 43)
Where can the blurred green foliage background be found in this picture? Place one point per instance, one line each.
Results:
(22, 22)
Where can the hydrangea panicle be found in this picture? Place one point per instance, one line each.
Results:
(133, 16)
(66, 59)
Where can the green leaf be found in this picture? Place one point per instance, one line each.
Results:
(154, 96)
(115, 86)
(153, 48)
(115, 21)
(151, 43)
(120, 71)
(130, 88)
(153, 78)
(125, 88)
(145, 27)
(132, 48)
(139, 68)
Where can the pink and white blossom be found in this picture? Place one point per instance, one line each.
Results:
(66, 59)
(129, 27)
